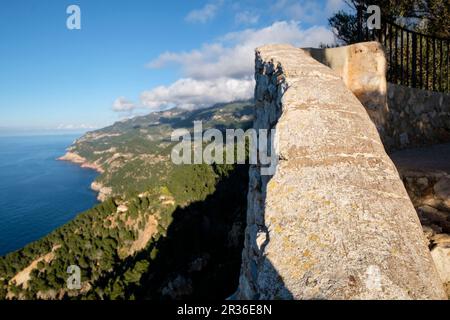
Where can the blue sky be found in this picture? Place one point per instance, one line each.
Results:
(136, 56)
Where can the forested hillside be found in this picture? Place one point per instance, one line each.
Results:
(162, 232)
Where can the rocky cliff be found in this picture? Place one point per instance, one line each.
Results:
(334, 221)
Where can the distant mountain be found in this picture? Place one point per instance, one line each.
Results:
(134, 154)
(162, 231)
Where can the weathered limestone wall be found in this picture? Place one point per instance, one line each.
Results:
(416, 117)
(426, 175)
(404, 117)
(362, 67)
(335, 221)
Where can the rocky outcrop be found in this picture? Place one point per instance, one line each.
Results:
(83, 162)
(72, 157)
(441, 257)
(103, 192)
(334, 221)
(427, 180)
(430, 192)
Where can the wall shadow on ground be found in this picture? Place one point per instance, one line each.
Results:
(200, 258)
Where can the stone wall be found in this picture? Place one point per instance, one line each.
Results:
(335, 221)
(430, 193)
(362, 67)
(404, 117)
(416, 117)
(427, 179)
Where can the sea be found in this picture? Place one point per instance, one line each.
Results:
(37, 192)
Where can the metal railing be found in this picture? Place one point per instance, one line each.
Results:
(414, 59)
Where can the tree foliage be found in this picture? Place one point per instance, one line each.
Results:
(429, 16)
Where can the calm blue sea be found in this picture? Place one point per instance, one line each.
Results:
(38, 193)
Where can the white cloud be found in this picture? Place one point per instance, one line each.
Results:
(310, 11)
(223, 70)
(205, 14)
(75, 127)
(233, 55)
(190, 93)
(122, 104)
(246, 17)
(334, 6)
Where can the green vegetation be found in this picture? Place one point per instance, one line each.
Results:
(431, 17)
(166, 231)
(135, 154)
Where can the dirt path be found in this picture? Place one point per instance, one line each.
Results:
(22, 277)
(144, 236)
(436, 157)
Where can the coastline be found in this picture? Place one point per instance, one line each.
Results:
(28, 169)
(103, 192)
(77, 159)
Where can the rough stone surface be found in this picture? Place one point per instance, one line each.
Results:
(335, 221)
(416, 117)
(442, 188)
(427, 180)
(404, 117)
(362, 67)
(441, 257)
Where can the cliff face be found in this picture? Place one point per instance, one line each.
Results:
(335, 221)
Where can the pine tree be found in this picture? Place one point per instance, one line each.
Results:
(428, 16)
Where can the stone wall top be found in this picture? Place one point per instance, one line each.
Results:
(362, 67)
(404, 117)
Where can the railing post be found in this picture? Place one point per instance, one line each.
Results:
(397, 76)
(421, 62)
(441, 62)
(448, 63)
(391, 69)
(359, 17)
(434, 64)
(414, 60)
(408, 82)
(427, 61)
(402, 82)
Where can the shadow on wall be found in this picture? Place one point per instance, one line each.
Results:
(405, 117)
(259, 279)
(412, 117)
(416, 117)
(362, 67)
(333, 189)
